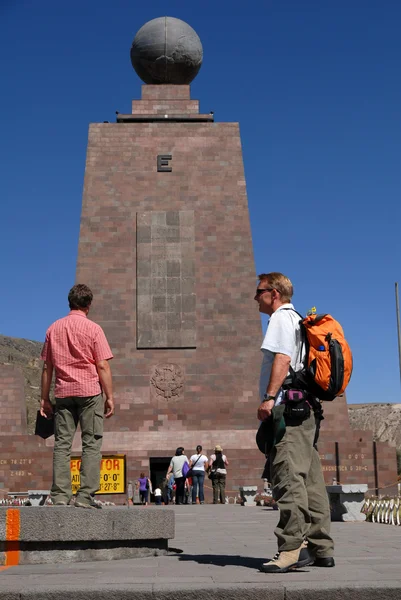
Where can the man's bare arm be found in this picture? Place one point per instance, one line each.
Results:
(281, 364)
(104, 372)
(46, 408)
(280, 367)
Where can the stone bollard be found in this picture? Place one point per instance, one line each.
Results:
(346, 501)
(38, 497)
(248, 493)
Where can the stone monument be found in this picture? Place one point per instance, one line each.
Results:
(165, 245)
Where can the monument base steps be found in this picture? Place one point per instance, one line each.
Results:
(46, 535)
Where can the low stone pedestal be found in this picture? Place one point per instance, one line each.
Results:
(248, 493)
(58, 534)
(346, 501)
(38, 497)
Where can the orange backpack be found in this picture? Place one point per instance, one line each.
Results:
(328, 360)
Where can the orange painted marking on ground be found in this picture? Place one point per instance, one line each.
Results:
(12, 547)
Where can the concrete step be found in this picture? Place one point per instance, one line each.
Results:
(55, 534)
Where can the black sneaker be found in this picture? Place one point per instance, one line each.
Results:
(324, 561)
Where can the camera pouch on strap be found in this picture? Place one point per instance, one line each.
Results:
(297, 407)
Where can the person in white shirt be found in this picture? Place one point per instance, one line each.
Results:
(296, 474)
(217, 464)
(176, 464)
(198, 463)
(158, 496)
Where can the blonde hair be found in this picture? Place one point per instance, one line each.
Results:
(279, 282)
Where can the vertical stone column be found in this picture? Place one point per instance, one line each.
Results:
(168, 254)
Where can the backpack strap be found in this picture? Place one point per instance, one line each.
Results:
(289, 380)
(295, 311)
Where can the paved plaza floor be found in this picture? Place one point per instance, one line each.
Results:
(216, 554)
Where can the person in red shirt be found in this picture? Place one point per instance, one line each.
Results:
(76, 349)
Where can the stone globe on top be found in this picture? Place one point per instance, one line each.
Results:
(166, 50)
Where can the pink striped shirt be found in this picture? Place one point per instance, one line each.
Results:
(74, 345)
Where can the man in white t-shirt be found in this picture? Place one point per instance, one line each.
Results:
(198, 463)
(296, 474)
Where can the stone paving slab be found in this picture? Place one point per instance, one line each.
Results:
(215, 555)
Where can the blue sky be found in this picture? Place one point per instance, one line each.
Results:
(316, 88)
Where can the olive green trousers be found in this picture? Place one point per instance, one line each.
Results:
(219, 488)
(300, 491)
(88, 412)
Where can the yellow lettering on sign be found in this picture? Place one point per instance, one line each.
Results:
(112, 474)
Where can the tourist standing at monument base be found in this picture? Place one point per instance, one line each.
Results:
(144, 485)
(303, 531)
(77, 350)
(198, 463)
(218, 473)
(175, 467)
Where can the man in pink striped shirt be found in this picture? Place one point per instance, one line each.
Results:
(77, 350)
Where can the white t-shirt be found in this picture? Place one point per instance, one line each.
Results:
(177, 462)
(158, 492)
(283, 336)
(200, 464)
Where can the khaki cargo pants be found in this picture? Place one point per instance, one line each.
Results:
(300, 491)
(88, 412)
(219, 488)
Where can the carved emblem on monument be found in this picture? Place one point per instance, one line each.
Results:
(167, 381)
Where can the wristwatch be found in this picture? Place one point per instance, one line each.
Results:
(267, 397)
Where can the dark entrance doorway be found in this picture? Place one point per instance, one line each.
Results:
(158, 469)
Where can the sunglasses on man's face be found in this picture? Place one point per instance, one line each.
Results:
(260, 291)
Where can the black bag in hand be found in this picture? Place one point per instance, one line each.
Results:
(44, 428)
